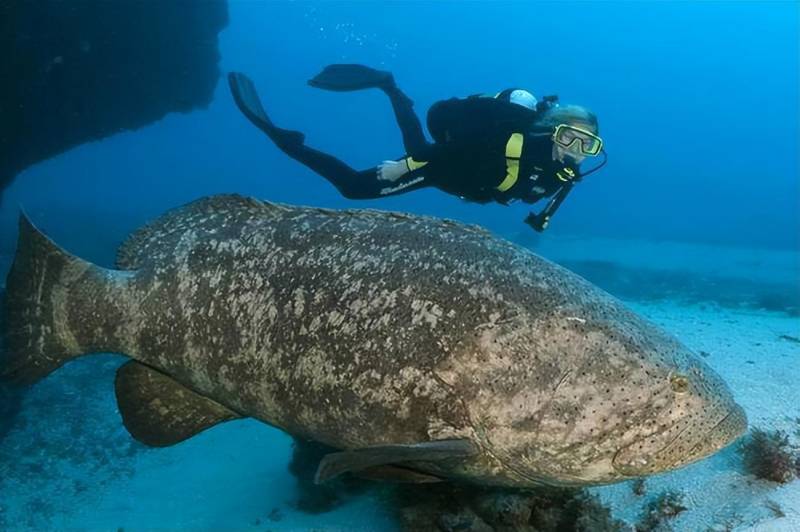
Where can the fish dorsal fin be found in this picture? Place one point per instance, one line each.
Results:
(210, 213)
(159, 411)
(334, 464)
(216, 216)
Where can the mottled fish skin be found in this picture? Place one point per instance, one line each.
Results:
(358, 328)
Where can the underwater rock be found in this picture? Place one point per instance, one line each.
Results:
(79, 71)
(447, 507)
(454, 507)
(275, 515)
(10, 396)
(770, 456)
(639, 487)
(423, 348)
(10, 403)
(660, 511)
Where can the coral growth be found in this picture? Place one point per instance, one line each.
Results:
(660, 511)
(448, 507)
(770, 456)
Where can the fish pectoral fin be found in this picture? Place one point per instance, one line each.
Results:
(158, 411)
(334, 464)
(392, 473)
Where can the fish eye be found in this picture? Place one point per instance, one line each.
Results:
(680, 383)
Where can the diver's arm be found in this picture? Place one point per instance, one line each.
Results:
(539, 222)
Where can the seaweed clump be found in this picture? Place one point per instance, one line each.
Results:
(448, 507)
(660, 511)
(770, 456)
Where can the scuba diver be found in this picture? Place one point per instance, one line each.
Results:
(502, 148)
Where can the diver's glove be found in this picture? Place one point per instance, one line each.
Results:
(537, 221)
(540, 221)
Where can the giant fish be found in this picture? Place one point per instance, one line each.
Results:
(420, 349)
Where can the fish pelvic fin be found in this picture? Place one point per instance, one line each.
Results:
(48, 292)
(334, 464)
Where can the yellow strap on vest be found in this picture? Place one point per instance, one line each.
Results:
(513, 154)
(570, 175)
(413, 165)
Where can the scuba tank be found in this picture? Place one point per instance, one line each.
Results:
(472, 119)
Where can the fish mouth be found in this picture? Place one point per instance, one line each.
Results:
(639, 459)
(726, 431)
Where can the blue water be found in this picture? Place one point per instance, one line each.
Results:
(698, 105)
(698, 108)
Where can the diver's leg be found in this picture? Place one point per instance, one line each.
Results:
(351, 183)
(414, 139)
(247, 100)
(350, 77)
(414, 180)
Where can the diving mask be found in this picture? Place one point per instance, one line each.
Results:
(566, 136)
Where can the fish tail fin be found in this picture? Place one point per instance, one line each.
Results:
(45, 285)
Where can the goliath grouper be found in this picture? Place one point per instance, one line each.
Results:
(422, 349)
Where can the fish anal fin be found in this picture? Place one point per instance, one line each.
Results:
(158, 411)
(334, 464)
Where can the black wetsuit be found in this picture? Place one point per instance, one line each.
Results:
(468, 158)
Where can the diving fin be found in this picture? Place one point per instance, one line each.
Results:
(247, 100)
(334, 464)
(351, 77)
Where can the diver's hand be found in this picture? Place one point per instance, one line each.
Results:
(392, 170)
(537, 222)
